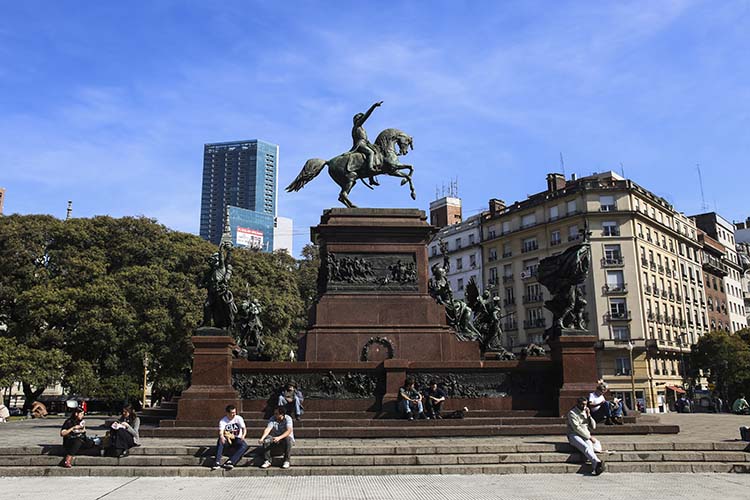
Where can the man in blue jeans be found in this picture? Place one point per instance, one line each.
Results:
(232, 432)
(410, 400)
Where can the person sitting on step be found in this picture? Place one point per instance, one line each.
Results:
(291, 398)
(277, 436)
(73, 432)
(434, 397)
(579, 435)
(232, 432)
(410, 400)
(597, 403)
(123, 434)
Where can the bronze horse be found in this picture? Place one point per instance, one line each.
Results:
(345, 169)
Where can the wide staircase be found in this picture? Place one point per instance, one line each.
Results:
(388, 456)
(362, 424)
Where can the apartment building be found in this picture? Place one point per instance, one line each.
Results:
(464, 253)
(645, 287)
(715, 270)
(721, 230)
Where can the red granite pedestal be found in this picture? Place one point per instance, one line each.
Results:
(350, 314)
(574, 358)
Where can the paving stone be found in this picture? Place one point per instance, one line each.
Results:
(324, 460)
(653, 446)
(497, 448)
(693, 446)
(628, 467)
(535, 448)
(684, 456)
(395, 460)
(477, 459)
(644, 456)
(550, 468)
(732, 446)
(711, 467)
(518, 458)
(18, 461)
(436, 459)
(574, 458)
(725, 456)
(670, 467)
(504, 469)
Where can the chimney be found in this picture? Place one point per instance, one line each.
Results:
(496, 206)
(555, 182)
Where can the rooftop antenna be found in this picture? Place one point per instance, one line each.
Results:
(562, 164)
(622, 169)
(69, 211)
(704, 205)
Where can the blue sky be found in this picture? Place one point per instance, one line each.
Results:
(109, 103)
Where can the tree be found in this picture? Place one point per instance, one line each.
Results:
(726, 359)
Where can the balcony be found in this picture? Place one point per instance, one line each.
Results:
(616, 261)
(507, 254)
(507, 278)
(664, 294)
(530, 247)
(554, 243)
(615, 316)
(649, 290)
(509, 302)
(661, 269)
(574, 238)
(655, 291)
(530, 324)
(510, 326)
(652, 265)
(644, 262)
(528, 274)
(615, 288)
(530, 299)
(678, 298)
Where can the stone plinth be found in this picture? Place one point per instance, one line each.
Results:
(210, 388)
(575, 358)
(373, 291)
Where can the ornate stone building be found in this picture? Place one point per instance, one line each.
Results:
(715, 270)
(646, 285)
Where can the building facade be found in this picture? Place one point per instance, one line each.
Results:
(715, 270)
(645, 287)
(721, 230)
(240, 174)
(742, 237)
(464, 254)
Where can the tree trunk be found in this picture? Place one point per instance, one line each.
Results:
(30, 396)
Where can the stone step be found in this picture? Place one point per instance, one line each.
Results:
(421, 428)
(310, 448)
(381, 460)
(317, 423)
(505, 468)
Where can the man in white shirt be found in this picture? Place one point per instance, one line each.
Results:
(232, 432)
(599, 406)
(277, 436)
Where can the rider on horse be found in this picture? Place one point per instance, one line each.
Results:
(359, 139)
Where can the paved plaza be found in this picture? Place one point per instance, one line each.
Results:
(522, 487)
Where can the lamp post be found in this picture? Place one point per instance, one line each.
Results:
(145, 380)
(634, 403)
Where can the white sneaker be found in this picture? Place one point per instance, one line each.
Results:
(285, 465)
(265, 465)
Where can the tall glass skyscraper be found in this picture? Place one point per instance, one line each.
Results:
(238, 174)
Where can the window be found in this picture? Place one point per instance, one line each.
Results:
(507, 250)
(491, 233)
(460, 284)
(615, 281)
(612, 254)
(621, 333)
(530, 244)
(553, 213)
(473, 260)
(493, 254)
(493, 275)
(622, 366)
(508, 270)
(572, 207)
(607, 203)
(458, 243)
(530, 266)
(617, 308)
(434, 250)
(573, 233)
(528, 220)
(459, 263)
(554, 238)
(610, 229)
(506, 227)
(471, 239)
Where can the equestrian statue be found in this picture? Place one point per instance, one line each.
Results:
(364, 161)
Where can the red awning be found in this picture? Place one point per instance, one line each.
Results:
(678, 390)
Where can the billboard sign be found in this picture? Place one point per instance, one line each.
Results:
(247, 237)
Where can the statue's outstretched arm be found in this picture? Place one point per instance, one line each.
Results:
(369, 111)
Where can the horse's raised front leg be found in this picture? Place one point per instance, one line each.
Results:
(407, 178)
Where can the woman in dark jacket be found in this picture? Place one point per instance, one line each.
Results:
(73, 432)
(124, 433)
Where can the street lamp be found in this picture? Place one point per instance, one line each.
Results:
(630, 347)
(145, 380)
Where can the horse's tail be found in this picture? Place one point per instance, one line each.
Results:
(311, 170)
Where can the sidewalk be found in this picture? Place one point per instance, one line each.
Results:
(521, 487)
